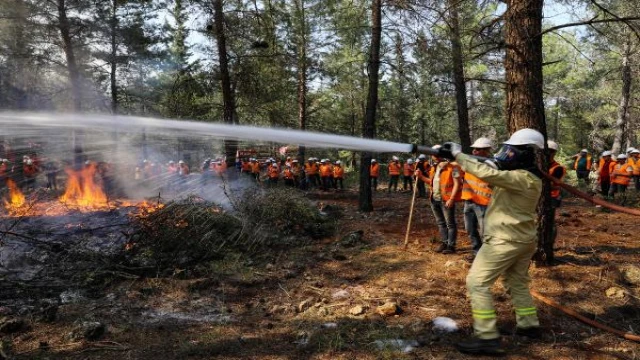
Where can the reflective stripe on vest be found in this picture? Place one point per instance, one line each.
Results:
(476, 190)
(575, 164)
(620, 174)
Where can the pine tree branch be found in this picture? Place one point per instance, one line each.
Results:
(588, 22)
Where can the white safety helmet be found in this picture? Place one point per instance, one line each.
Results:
(295, 161)
(322, 161)
(482, 143)
(526, 137)
(634, 151)
(394, 158)
(606, 153)
(409, 161)
(171, 162)
(630, 149)
(29, 162)
(338, 162)
(552, 145)
(584, 151)
(422, 157)
(180, 162)
(374, 160)
(622, 157)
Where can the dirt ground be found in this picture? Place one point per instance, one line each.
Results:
(299, 303)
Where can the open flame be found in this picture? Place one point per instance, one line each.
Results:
(16, 197)
(82, 189)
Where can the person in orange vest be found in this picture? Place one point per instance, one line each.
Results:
(407, 175)
(273, 172)
(338, 175)
(445, 181)
(255, 169)
(374, 172)
(604, 177)
(557, 171)
(424, 167)
(325, 174)
(310, 173)
(394, 173)
(30, 172)
(4, 172)
(635, 154)
(476, 194)
(287, 175)
(582, 166)
(621, 173)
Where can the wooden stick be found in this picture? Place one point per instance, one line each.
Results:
(413, 200)
(585, 320)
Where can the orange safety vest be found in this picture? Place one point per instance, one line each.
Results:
(288, 174)
(408, 169)
(255, 167)
(476, 190)
(246, 166)
(338, 172)
(575, 164)
(310, 169)
(555, 188)
(635, 163)
(620, 174)
(325, 170)
(273, 172)
(30, 170)
(394, 168)
(374, 170)
(446, 181)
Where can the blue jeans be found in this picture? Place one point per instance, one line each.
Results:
(474, 223)
(446, 220)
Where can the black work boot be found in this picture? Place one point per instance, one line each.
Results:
(449, 250)
(478, 346)
(533, 332)
(441, 248)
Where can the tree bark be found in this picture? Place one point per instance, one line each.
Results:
(623, 109)
(67, 44)
(114, 56)
(302, 72)
(524, 99)
(228, 96)
(365, 198)
(458, 76)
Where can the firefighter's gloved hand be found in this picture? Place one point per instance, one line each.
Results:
(449, 150)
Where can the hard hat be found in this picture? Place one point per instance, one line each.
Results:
(630, 149)
(180, 162)
(622, 157)
(310, 159)
(171, 162)
(422, 156)
(482, 143)
(606, 153)
(552, 145)
(295, 161)
(526, 137)
(29, 162)
(86, 162)
(409, 161)
(322, 161)
(338, 162)
(634, 151)
(436, 147)
(584, 151)
(394, 158)
(373, 160)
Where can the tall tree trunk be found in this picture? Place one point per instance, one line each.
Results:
(458, 76)
(228, 96)
(365, 199)
(524, 100)
(302, 71)
(623, 109)
(72, 66)
(114, 54)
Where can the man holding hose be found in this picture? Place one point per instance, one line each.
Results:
(509, 238)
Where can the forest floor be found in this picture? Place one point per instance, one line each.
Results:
(320, 300)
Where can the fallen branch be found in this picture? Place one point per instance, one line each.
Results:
(584, 319)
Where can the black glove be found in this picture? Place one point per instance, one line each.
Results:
(445, 152)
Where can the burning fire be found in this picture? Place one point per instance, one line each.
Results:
(82, 189)
(16, 198)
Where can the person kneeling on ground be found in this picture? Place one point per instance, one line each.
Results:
(509, 238)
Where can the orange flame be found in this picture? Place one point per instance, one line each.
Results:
(82, 189)
(16, 198)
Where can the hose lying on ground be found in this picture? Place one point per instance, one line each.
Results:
(586, 320)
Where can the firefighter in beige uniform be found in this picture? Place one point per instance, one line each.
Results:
(509, 239)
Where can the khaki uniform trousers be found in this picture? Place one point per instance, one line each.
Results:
(510, 259)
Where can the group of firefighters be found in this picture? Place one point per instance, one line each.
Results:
(613, 173)
(315, 173)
